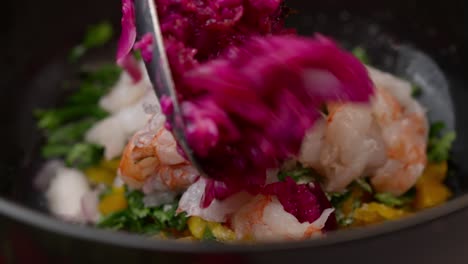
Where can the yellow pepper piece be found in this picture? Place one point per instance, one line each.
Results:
(113, 202)
(430, 190)
(104, 173)
(221, 232)
(372, 213)
(197, 227)
(434, 171)
(112, 165)
(430, 193)
(98, 175)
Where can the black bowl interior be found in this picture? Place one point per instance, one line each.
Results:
(419, 40)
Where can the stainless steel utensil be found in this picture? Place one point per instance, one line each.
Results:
(159, 72)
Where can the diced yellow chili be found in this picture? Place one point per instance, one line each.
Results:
(113, 202)
(434, 171)
(104, 173)
(430, 193)
(99, 175)
(371, 213)
(197, 227)
(111, 165)
(221, 232)
(430, 189)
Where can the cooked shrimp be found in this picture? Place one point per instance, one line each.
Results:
(151, 161)
(264, 219)
(404, 130)
(385, 140)
(217, 211)
(352, 145)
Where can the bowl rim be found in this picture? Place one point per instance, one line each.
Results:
(45, 222)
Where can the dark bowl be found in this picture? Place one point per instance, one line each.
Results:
(40, 33)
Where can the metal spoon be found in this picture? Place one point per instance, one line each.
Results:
(159, 72)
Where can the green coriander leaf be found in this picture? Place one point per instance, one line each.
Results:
(439, 144)
(416, 90)
(84, 155)
(361, 54)
(134, 198)
(115, 220)
(208, 235)
(136, 205)
(162, 216)
(388, 199)
(49, 151)
(298, 174)
(98, 35)
(356, 204)
(179, 222)
(76, 53)
(345, 221)
(342, 219)
(393, 201)
(151, 229)
(70, 133)
(95, 84)
(137, 55)
(436, 128)
(87, 94)
(52, 119)
(439, 148)
(364, 185)
(337, 199)
(144, 220)
(104, 77)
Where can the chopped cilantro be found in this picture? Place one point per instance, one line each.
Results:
(416, 90)
(71, 132)
(144, 220)
(439, 144)
(137, 55)
(104, 77)
(352, 199)
(65, 127)
(436, 128)
(337, 199)
(84, 155)
(208, 235)
(299, 173)
(96, 36)
(53, 118)
(49, 151)
(364, 185)
(344, 221)
(394, 201)
(361, 54)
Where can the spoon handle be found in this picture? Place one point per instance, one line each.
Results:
(159, 72)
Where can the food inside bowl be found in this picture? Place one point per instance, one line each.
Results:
(299, 136)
